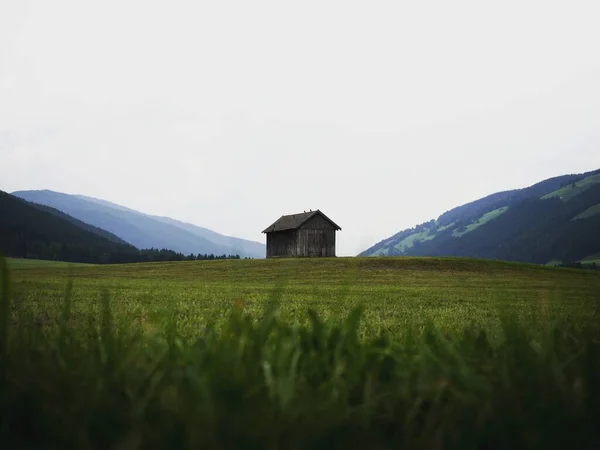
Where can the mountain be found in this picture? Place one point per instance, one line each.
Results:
(33, 231)
(244, 247)
(143, 230)
(555, 220)
(98, 231)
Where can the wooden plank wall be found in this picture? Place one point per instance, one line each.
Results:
(316, 238)
(282, 244)
(312, 243)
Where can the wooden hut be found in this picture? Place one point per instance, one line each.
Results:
(307, 234)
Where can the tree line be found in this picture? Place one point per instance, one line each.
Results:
(20, 246)
(158, 255)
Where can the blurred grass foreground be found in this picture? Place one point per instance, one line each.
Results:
(267, 384)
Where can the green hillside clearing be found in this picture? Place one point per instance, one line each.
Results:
(554, 262)
(482, 220)
(595, 258)
(590, 212)
(445, 227)
(409, 241)
(568, 192)
(381, 252)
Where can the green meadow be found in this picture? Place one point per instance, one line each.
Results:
(382, 353)
(395, 292)
(19, 263)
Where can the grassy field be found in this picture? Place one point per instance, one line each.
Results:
(452, 293)
(19, 263)
(447, 354)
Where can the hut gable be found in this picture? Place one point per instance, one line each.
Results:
(295, 221)
(307, 234)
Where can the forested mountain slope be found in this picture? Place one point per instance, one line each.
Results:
(33, 231)
(143, 230)
(556, 220)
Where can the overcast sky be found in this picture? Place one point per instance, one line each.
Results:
(229, 114)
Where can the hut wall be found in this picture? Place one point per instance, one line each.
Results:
(281, 244)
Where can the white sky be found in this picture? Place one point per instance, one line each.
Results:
(229, 114)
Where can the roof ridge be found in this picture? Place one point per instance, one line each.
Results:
(296, 220)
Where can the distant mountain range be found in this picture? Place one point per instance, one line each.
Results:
(554, 221)
(29, 230)
(142, 230)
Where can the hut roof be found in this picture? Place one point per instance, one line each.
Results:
(294, 221)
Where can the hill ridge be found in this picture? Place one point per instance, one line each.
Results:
(474, 229)
(28, 230)
(144, 230)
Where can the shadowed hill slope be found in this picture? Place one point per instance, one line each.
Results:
(556, 220)
(143, 230)
(32, 231)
